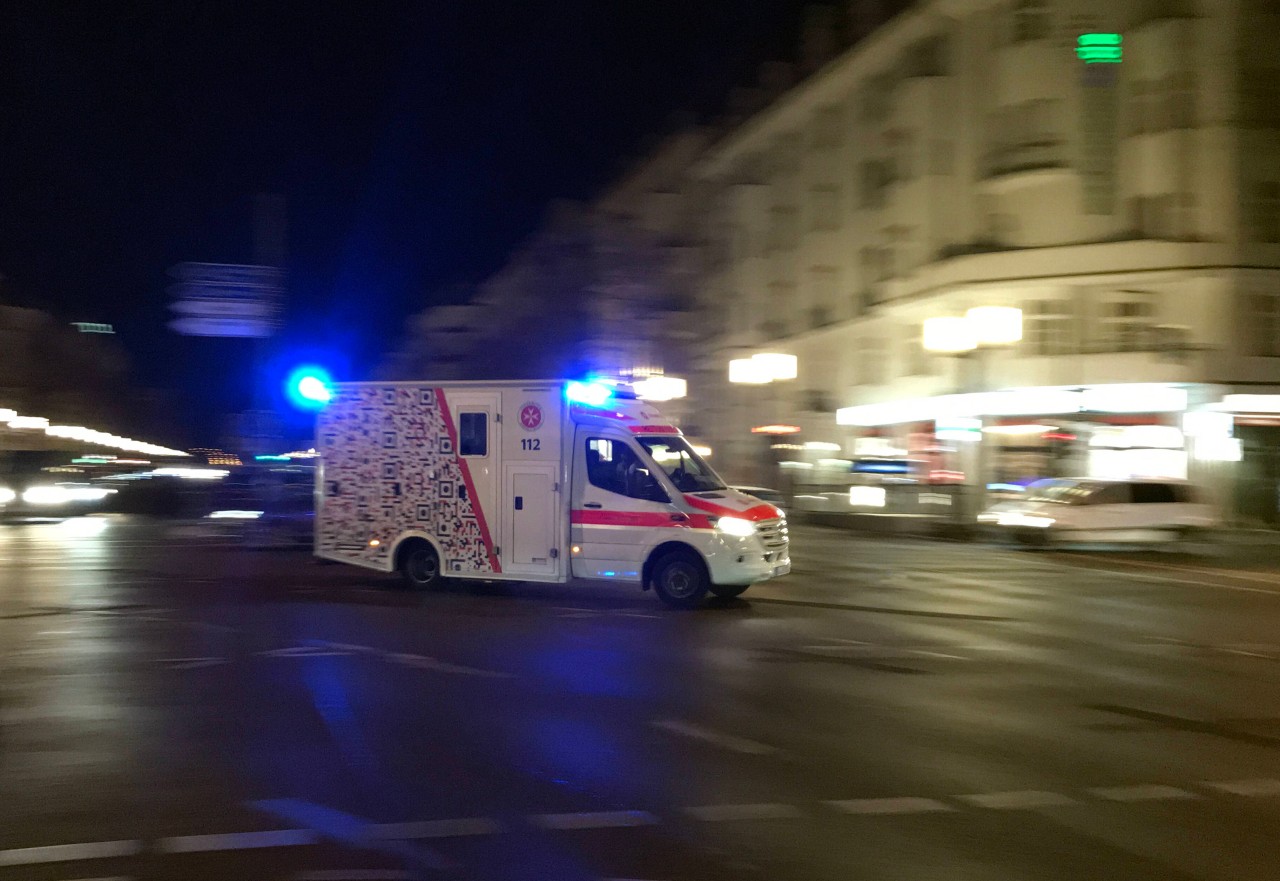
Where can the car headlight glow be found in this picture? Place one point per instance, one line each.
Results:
(1016, 518)
(736, 526)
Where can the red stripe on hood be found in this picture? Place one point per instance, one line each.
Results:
(759, 512)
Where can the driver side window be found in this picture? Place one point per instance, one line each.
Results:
(614, 467)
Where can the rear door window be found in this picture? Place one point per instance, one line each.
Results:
(1153, 494)
(1110, 494)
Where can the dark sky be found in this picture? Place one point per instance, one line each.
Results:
(416, 142)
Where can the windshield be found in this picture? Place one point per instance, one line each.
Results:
(686, 468)
(1065, 492)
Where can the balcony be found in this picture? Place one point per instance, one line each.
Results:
(1029, 161)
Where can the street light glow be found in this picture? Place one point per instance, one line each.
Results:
(995, 325)
(949, 335)
(748, 371)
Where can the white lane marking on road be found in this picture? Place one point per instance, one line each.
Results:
(1257, 787)
(1141, 792)
(727, 741)
(192, 663)
(236, 841)
(459, 827)
(354, 875)
(1162, 580)
(1262, 577)
(1017, 800)
(595, 820)
(907, 805)
(63, 853)
(932, 654)
(724, 813)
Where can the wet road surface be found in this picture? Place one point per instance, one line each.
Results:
(173, 705)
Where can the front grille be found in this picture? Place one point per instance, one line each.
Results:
(773, 533)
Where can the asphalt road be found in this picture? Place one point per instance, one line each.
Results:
(175, 706)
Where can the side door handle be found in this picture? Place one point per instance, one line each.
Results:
(679, 518)
(592, 505)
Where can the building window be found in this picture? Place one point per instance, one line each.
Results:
(782, 228)
(875, 178)
(1047, 327)
(1127, 325)
(871, 370)
(824, 202)
(1263, 323)
(826, 132)
(1030, 21)
(1153, 217)
(1260, 97)
(877, 98)
(915, 358)
(1267, 211)
(823, 284)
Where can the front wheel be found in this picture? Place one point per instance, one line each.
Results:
(420, 566)
(729, 591)
(681, 580)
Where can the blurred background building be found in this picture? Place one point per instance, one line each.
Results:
(1107, 173)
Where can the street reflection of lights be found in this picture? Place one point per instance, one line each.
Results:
(62, 495)
(7, 415)
(820, 445)
(747, 371)
(235, 515)
(7, 495)
(29, 422)
(84, 527)
(802, 466)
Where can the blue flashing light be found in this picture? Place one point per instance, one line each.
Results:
(593, 394)
(309, 387)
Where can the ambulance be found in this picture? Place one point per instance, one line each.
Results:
(532, 482)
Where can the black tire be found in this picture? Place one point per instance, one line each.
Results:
(419, 565)
(729, 591)
(680, 579)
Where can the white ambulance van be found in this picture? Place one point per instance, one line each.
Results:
(532, 481)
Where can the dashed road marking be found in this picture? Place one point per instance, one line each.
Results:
(906, 805)
(727, 741)
(1141, 792)
(236, 841)
(595, 820)
(1017, 800)
(725, 813)
(457, 828)
(1258, 787)
(64, 853)
(192, 663)
(354, 875)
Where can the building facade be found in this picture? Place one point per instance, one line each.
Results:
(975, 154)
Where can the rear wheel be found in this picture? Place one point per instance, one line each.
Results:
(680, 580)
(420, 565)
(729, 591)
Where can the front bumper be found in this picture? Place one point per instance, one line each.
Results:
(751, 559)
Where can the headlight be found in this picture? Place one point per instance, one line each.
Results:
(1015, 518)
(7, 495)
(736, 526)
(46, 495)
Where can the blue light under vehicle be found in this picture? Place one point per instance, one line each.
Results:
(593, 394)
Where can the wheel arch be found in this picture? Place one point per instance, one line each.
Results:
(667, 547)
(403, 541)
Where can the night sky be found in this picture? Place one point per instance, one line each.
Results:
(416, 143)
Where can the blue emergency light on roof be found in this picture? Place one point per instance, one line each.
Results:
(309, 387)
(593, 394)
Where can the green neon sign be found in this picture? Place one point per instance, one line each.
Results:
(1100, 48)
